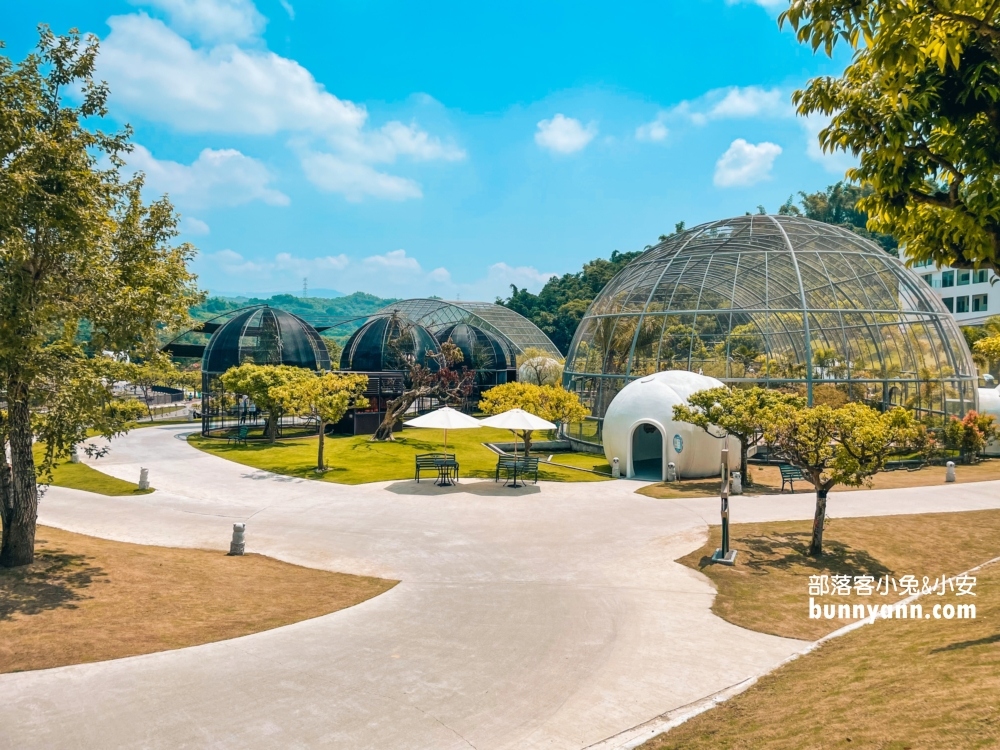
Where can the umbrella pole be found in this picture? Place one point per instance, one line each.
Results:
(446, 441)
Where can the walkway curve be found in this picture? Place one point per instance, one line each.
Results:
(549, 617)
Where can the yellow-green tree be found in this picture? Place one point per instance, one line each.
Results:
(257, 382)
(917, 107)
(81, 255)
(741, 412)
(325, 398)
(847, 446)
(550, 402)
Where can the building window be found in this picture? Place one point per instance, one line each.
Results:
(948, 278)
(929, 278)
(964, 277)
(949, 302)
(921, 264)
(979, 302)
(961, 304)
(981, 276)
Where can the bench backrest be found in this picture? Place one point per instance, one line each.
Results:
(791, 472)
(428, 459)
(508, 461)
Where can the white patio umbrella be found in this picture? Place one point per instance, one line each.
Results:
(445, 419)
(515, 420)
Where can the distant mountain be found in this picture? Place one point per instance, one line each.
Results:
(319, 311)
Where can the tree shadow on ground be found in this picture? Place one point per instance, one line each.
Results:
(54, 580)
(767, 553)
(962, 645)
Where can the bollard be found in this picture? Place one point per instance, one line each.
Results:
(736, 486)
(74, 456)
(616, 470)
(671, 472)
(949, 474)
(238, 544)
(143, 479)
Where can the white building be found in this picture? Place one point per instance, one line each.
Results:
(968, 294)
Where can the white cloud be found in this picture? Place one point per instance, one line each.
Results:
(393, 260)
(504, 275)
(564, 135)
(355, 180)
(654, 131)
(211, 20)
(191, 225)
(157, 74)
(288, 9)
(394, 273)
(217, 177)
(745, 164)
(735, 103)
(280, 269)
(768, 4)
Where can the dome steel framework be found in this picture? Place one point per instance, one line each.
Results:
(436, 315)
(781, 301)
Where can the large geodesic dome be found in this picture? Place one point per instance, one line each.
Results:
(780, 301)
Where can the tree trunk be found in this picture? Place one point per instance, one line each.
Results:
(320, 466)
(19, 538)
(271, 426)
(816, 546)
(393, 411)
(526, 437)
(6, 492)
(145, 400)
(744, 464)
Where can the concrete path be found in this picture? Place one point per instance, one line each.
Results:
(546, 617)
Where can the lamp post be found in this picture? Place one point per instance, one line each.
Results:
(725, 555)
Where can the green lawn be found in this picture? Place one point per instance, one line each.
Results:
(355, 460)
(591, 461)
(82, 477)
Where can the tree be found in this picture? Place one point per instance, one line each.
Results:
(838, 205)
(259, 383)
(325, 398)
(157, 370)
(439, 379)
(740, 412)
(540, 367)
(918, 106)
(77, 246)
(560, 306)
(969, 435)
(550, 402)
(848, 446)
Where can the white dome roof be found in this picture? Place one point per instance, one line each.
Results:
(650, 401)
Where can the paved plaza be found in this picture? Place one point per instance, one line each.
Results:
(544, 617)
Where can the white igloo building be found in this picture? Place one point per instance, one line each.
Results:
(989, 403)
(639, 429)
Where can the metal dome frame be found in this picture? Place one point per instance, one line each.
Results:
(437, 314)
(782, 301)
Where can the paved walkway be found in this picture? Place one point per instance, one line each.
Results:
(546, 617)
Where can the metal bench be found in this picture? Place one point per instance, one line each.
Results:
(790, 474)
(431, 461)
(513, 467)
(239, 435)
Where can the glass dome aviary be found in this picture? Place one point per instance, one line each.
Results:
(781, 301)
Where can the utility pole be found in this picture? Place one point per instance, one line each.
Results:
(305, 286)
(725, 555)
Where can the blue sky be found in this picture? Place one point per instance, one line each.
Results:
(409, 149)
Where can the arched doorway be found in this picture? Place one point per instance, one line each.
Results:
(647, 452)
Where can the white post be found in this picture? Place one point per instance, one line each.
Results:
(616, 470)
(143, 479)
(949, 474)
